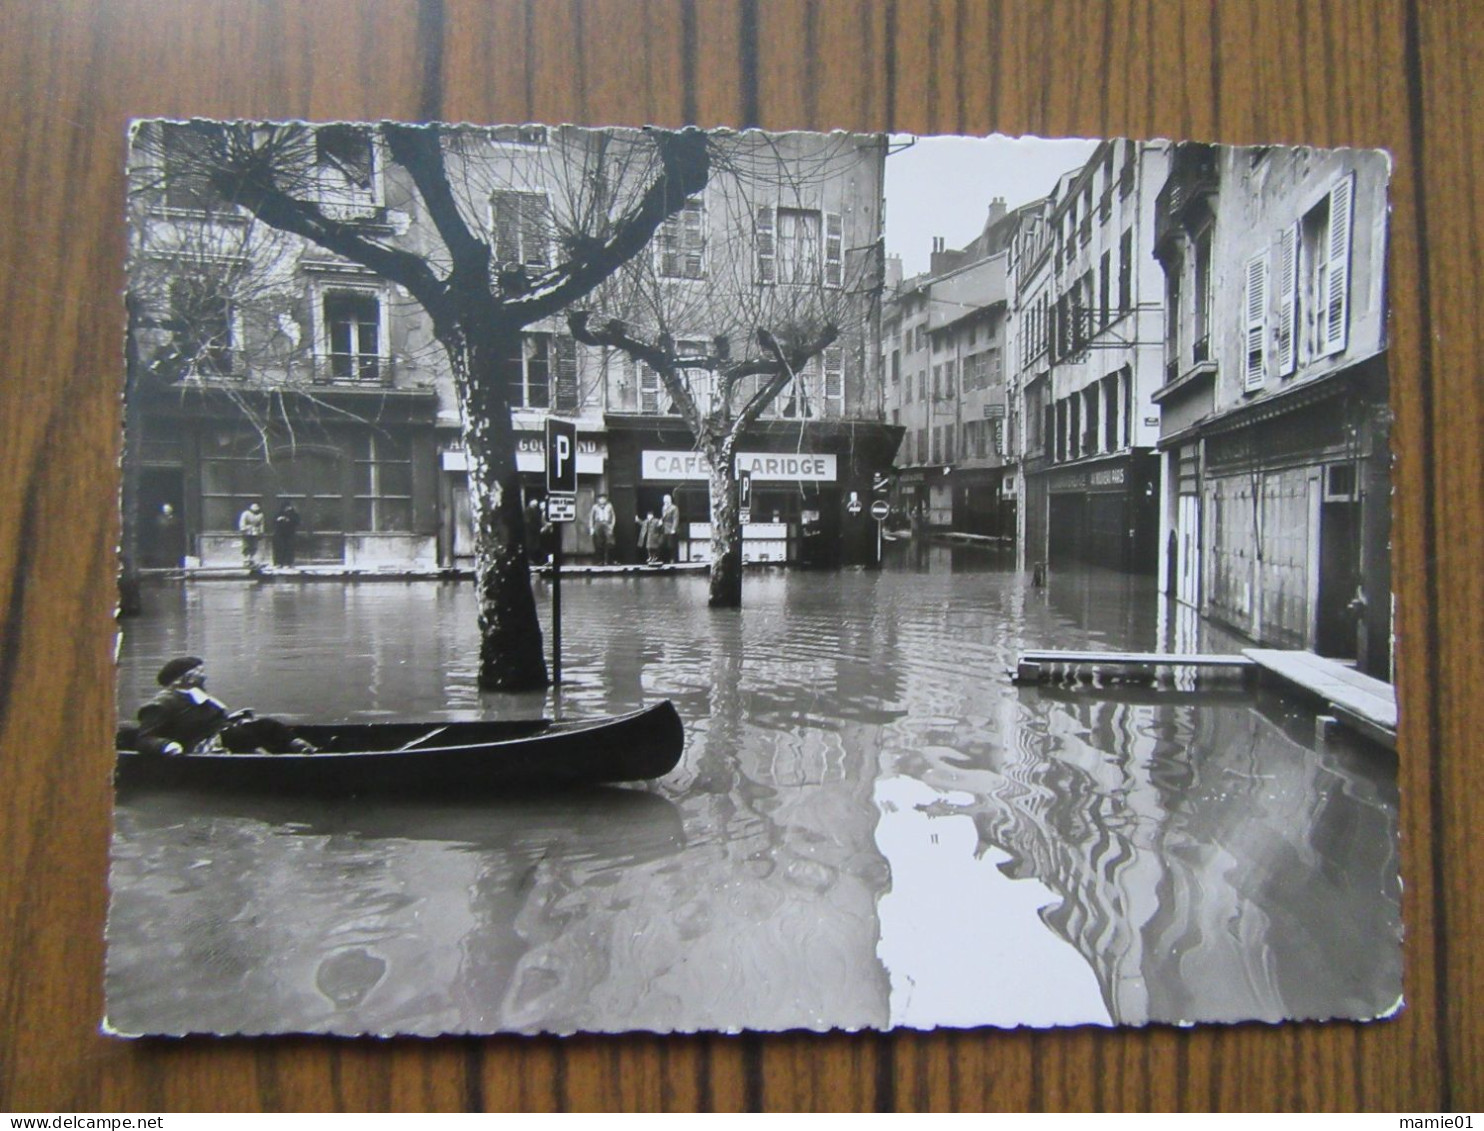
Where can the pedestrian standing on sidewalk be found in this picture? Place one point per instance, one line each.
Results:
(535, 532)
(601, 521)
(285, 531)
(651, 538)
(669, 529)
(250, 525)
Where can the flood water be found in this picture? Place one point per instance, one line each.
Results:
(871, 826)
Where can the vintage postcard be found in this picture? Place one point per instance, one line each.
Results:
(603, 580)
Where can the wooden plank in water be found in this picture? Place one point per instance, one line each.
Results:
(1031, 665)
(1366, 703)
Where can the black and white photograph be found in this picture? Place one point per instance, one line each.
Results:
(584, 580)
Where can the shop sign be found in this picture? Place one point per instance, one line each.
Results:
(791, 467)
(530, 455)
(1082, 480)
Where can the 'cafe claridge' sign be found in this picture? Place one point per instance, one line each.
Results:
(792, 467)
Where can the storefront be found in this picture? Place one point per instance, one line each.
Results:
(984, 501)
(1296, 512)
(358, 467)
(457, 542)
(1105, 512)
(811, 488)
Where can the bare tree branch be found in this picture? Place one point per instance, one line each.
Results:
(685, 167)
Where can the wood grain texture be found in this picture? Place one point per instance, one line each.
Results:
(1393, 73)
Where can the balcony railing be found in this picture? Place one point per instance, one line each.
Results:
(1172, 371)
(1202, 351)
(353, 369)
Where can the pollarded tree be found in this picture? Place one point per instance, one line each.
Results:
(744, 306)
(478, 248)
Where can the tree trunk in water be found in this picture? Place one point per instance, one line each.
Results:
(511, 656)
(726, 532)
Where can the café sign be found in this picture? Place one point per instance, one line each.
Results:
(787, 467)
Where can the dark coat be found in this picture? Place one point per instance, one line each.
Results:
(175, 716)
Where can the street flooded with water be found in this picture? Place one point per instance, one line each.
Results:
(870, 827)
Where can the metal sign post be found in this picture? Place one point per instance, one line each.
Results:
(879, 510)
(561, 507)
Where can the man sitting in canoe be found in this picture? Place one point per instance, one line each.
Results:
(183, 719)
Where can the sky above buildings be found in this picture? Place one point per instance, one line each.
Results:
(942, 186)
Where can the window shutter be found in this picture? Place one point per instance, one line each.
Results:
(566, 375)
(767, 249)
(834, 378)
(1255, 311)
(1337, 254)
(834, 250)
(1288, 244)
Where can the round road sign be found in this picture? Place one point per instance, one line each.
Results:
(879, 510)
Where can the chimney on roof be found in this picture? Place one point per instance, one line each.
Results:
(944, 260)
(997, 211)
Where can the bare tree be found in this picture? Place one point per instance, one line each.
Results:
(607, 192)
(740, 303)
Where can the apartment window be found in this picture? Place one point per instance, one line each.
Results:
(1173, 315)
(1326, 236)
(353, 334)
(1105, 266)
(1254, 321)
(682, 242)
(1126, 174)
(521, 226)
(383, 483)
(1201, 306)
(344, 157)
(1126, 272)
(798, 246)
(1110, 412)
(188, 149)
(528, 372)
(201, 317)
(834, 381)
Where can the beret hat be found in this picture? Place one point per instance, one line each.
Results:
(176, 668)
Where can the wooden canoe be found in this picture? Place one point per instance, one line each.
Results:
(449, 759)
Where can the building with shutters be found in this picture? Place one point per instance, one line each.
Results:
(943, 353)
(1087, 328)
(299, 377)
(1274, 422)
(789, 227)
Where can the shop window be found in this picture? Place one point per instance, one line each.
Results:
(383, 483)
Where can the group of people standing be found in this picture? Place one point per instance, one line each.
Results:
(658, 539)
(251, 524)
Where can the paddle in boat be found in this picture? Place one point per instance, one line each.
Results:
(452, 758)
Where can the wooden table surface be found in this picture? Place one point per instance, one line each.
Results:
(1392, 73)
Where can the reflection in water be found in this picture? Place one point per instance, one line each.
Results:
(870, 826)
